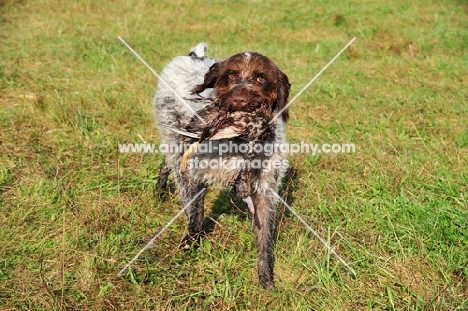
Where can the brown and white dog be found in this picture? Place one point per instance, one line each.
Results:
(236, 98)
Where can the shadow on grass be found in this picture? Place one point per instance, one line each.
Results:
(227, 203)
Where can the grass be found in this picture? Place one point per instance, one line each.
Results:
(74, 211)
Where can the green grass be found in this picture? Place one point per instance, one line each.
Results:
(74, 211)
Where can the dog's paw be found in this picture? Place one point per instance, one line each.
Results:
(191, 240)
(268, 284)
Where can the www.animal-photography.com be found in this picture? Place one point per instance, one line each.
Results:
(234, 155)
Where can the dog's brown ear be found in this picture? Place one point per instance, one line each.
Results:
(210, 79)
(283, 94)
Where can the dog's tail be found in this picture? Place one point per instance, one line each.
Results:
(199, 51)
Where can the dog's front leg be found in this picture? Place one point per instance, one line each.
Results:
(164, 172)
(264, 223)
(195, 212)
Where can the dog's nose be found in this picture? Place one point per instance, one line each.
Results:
(239, 100)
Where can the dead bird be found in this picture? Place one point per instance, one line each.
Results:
(225, 123)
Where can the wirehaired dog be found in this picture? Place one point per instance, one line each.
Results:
(239, 96)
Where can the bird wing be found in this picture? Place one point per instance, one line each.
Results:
(182, 132)
(224, 133)
(227, 132)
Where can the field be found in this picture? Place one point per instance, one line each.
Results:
(74, 211)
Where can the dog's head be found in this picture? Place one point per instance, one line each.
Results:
(246, 81)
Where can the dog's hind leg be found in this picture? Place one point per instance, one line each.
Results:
(195, 212)
(164, 172)
(264, 226)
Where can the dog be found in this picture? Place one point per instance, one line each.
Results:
(195, 92)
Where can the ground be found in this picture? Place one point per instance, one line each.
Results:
(74, 210)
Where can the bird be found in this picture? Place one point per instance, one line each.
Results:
(225, 122)
(215, 122)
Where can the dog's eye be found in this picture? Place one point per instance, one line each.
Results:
(232, 76)
(260, 79)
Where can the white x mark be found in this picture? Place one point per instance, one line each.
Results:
(160, 232)
(330, 249)
(161, 79)
(312, 81)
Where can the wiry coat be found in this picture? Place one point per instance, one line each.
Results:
(199, 81)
